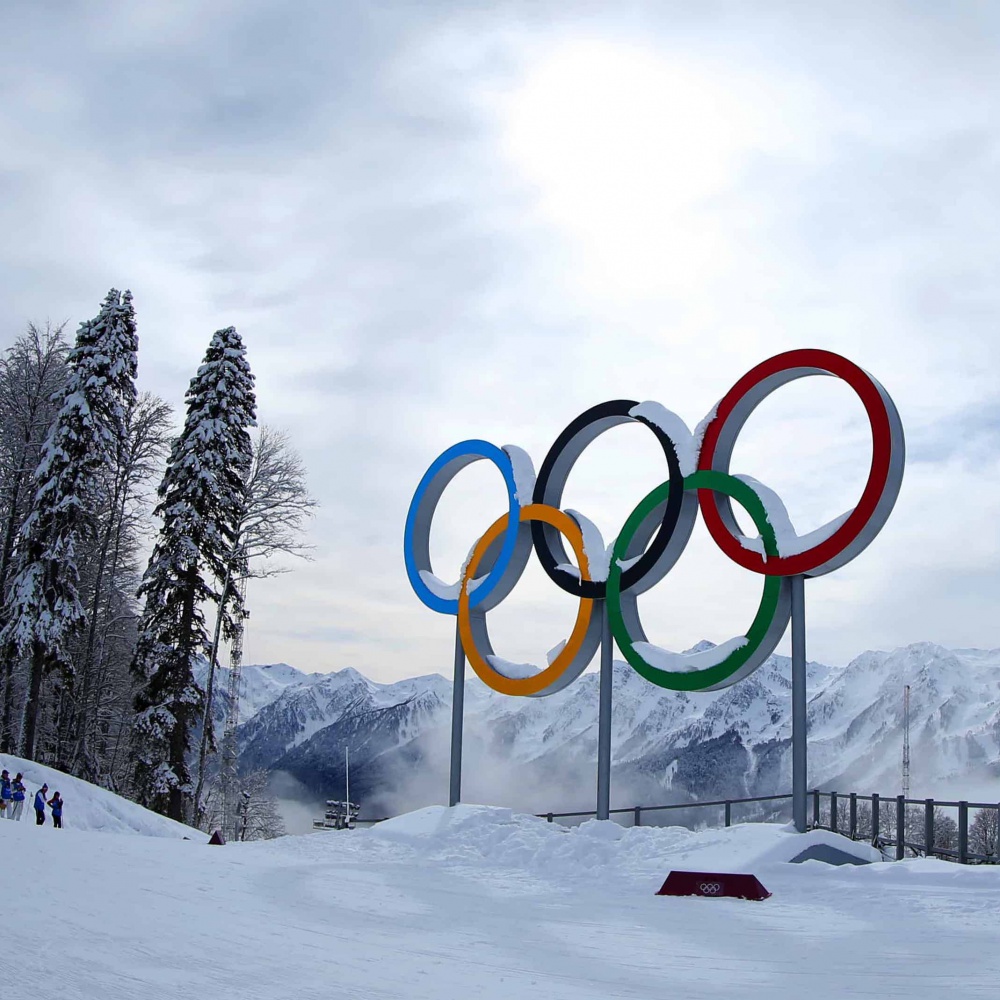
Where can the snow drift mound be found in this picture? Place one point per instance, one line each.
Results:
(487, 835)
(89, 807)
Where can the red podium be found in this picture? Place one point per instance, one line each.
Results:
(714, 885)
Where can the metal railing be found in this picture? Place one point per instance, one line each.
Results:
(920, 826)
(637, 811)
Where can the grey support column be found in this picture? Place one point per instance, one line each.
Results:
(799, 767)
(604, 720)
(457, 720)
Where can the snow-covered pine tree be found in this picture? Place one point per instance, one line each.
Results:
(201, 498)
(32, 373)
(45, 603)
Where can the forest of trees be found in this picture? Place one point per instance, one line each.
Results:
(103, 644)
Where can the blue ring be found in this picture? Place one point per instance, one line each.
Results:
(435, 479)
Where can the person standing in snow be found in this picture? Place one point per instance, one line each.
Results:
(5, 792)
(40, 805)
(17, 797)
(56, 804)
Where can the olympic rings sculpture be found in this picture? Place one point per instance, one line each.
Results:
(653, 536)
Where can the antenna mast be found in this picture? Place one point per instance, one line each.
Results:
(906, 742)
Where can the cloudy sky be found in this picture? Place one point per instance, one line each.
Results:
(438, 221)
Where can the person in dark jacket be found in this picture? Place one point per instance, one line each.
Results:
(40, 805)
(5, 792)
(56, 804)
(18, 792)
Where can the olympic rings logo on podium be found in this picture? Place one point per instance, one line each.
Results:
(653, 536)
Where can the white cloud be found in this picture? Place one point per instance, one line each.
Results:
(432, 223)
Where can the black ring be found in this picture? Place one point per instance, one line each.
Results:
(551, 481)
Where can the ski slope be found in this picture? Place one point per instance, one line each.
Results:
(88, 807)
(479, 902)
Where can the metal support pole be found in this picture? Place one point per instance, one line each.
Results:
(928, 827)
(876, 817)
(637, 818)
(852, 816)
(457, 719)
(729, 813)
(815, 808)
(833, 812)
(798, 702)
(900, 827)
(604, 720)
(963, 833)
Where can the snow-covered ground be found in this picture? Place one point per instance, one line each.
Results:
(479, 902)
(88, 807)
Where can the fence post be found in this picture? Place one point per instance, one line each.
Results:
(875, 818)
(853, 815)
(729, 813)
(997, 850)
(549, 817)
(900, 827)
(963, 833)
(816, 807)
(928, 828)
(833, 812)
(637, 819)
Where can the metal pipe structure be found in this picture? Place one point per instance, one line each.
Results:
(799, 760)
(457, 720)
(604, 720)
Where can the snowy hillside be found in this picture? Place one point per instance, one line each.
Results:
(479, 902)
(667, 746)
(91, 808)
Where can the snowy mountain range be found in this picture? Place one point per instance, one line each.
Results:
(539, 753)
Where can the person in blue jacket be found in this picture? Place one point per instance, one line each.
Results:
(5, 792)
(17, 798)
(56, 803)
(40, 805)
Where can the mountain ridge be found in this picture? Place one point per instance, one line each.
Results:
(674, 745)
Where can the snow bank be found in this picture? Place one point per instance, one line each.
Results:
(497, 836)
(91, 808)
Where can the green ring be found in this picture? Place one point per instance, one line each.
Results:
(696, 680)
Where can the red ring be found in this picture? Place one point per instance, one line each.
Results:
(878, 477)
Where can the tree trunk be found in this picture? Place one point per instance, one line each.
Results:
(33, 703)
(83, 712)
(10, 657)
(175, 800)
(206, 721)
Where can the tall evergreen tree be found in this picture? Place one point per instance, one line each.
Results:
(201, 498)
(45, 606)
(32, 373)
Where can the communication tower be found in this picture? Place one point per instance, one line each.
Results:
(906, 742)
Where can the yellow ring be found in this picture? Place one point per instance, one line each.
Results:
(545, 678)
